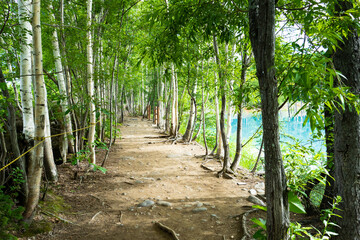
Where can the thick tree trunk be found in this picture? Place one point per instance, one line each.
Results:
(347, 135)
(90, 85)
(25, 13)
(11, 119)
(262, 36)
(36, 164)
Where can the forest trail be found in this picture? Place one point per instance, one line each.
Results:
(141, 166)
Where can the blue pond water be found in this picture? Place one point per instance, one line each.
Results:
(288, 126)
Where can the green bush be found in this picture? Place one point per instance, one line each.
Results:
(10, 215)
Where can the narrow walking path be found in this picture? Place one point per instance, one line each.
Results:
(150, 180)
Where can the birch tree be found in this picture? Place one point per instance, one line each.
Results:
(36, 164)
(174, 104)
(25, 15)
(90, 84)
(67, 139)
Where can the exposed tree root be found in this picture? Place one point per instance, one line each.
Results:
(167, 229)
(162, 136)
(226, 173)
(93, 218)
(207, 168)
(246, 232)
(57, 217)
(120, 216)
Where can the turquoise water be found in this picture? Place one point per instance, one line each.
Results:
(288, 126)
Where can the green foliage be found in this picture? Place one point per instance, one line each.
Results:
(302, 164)
(100, 145)
(17, 179)
(261, 233)
(96, 167)
(80, 156)
(296, 231)
(295, 204)
(84, 155)
(10, 215)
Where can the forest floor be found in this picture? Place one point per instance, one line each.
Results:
(145, 168)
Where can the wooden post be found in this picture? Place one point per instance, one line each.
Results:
(149, 112)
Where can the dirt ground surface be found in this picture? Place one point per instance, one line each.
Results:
(145, 168)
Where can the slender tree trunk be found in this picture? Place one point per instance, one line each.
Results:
(203, 117)
(11, 119)
(68, 139)
(122, 103)
(226, 164)
(168, 105)
(175, 104)
(16, 93)
(142, 93)
(329, 140)
(258, 157)
(244, 67)
(218, 141)
(49, 163)
(347, 134)
(3, 154)
(262, 36)
(36, 164)
(25, 13)
(192, 119)
(237, 158)
(91, 137)
(161, 122)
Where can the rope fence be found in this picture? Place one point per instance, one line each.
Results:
(42, 139)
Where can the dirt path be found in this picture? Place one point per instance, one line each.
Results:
(189, 199)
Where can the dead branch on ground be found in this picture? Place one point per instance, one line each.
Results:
(167, 229)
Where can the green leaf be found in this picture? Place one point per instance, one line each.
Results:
(97, 167)
(259, 235)
(295, 204)
(259, 222)
(260, 207)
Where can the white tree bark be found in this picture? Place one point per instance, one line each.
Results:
(36, 164)
(25, 13)
(68, 140)
(161, 108)
(175, 104)
(90, 85)
(50, 167)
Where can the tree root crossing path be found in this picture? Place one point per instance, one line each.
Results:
(153, 189)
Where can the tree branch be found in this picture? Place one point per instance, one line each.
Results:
(6, 19)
